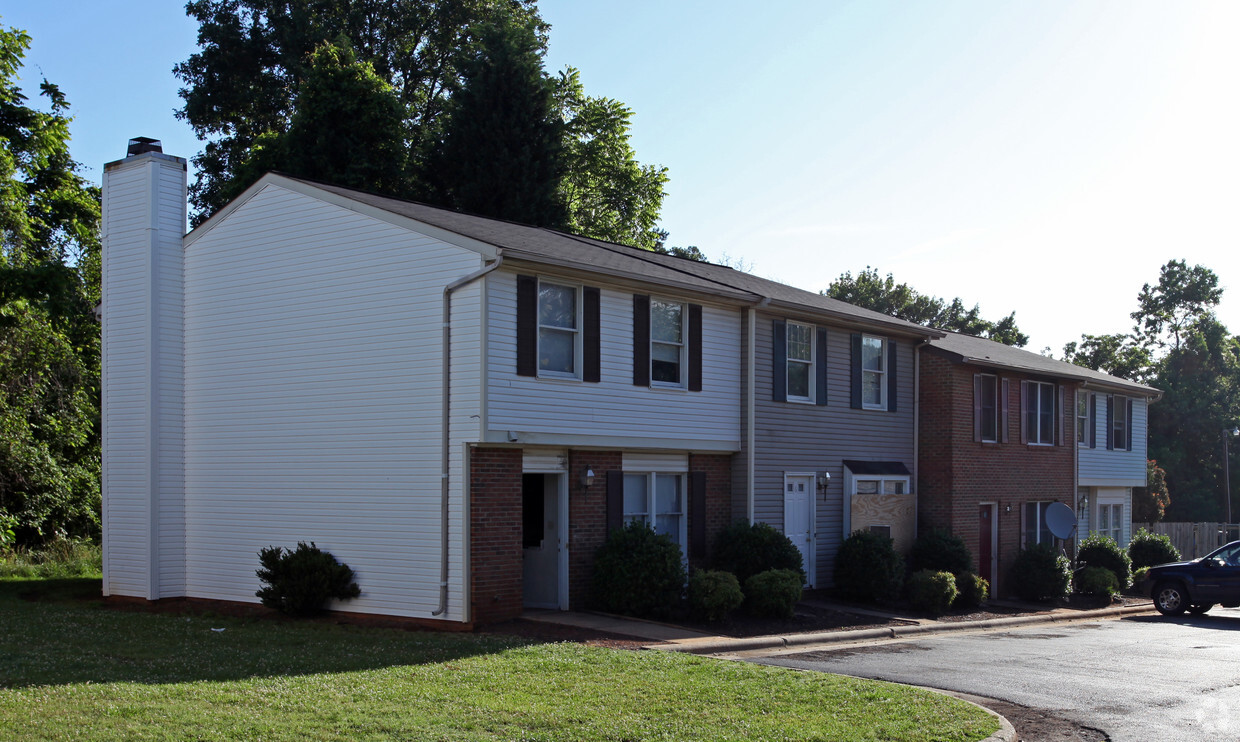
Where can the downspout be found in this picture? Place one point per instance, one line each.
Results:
(445, 404)
(750, 436)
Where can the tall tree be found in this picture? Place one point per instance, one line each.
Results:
(49, 341)
(1119, 355)
(254, 55)
(502, 150)
(872, 291)
(1182, 297)
(610, 195)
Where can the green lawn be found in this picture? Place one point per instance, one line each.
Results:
(70, 669)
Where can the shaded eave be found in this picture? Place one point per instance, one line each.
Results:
(1088, 381)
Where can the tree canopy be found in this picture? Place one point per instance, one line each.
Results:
(49, 340)
(872, 291)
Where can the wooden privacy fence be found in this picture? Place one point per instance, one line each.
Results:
(1197, 539)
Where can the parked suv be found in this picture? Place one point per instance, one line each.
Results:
(1198, 585)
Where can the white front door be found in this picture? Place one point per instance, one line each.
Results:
(545, 557)
(799, 518)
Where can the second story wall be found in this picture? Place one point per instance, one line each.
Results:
(1112, 448)
(562, 404)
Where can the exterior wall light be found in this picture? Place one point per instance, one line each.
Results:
(587, 479)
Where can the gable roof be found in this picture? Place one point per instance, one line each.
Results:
(551, 247)
(983, 352)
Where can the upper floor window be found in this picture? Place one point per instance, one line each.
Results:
(873, 372)
(1120, 428)
(1082, 418)
(559, 346)
(800, 368)
(1040, 412)
(667, 342)
(986, 405)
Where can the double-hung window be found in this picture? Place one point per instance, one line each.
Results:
(1082, 418)
(559, 336)
(667, 342)
(1119, 423)
(1040, 412)
(657, 499)
(1110, 521)
(800, 367)
(873, 372)
(1036, 530)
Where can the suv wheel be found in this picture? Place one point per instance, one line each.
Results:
(1170, 598)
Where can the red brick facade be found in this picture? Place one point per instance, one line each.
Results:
(496, 590)
(956, 474)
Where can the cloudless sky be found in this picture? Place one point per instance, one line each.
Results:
(1043, 157)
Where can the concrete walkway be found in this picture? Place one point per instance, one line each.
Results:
(673, 638)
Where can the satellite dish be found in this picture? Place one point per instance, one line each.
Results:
(1060, 519)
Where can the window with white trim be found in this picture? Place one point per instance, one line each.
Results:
(880, 485)
(1040, 413)
(1036, 530)
(658, 500)
(800, 366)
(873, 372)
(988, 404)
(559, 330)
(1111, 521)
(1082, 418)
(667, 342)
(1119, 423)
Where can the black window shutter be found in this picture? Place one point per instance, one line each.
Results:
(695, 347)
(977, 407)
(893, 380)
(590, 335)
(1130, 426)
(1093, 420)
(615, 500)
(855, 363)
(779, 360)
(820, 368)
(527, 326)
(697, 514)
(1005, 392)
(1110, 423)
(641, 340)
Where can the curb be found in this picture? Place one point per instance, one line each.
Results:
(720, 645)
(1006, 733)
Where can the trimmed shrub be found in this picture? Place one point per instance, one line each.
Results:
(637, 572)
(1151, 549)
(774, 593)
(300, 581)
(931, 592)
(1040, 573)
(973, 590)
(1095, 581)
(868, 569)
(713, 594)
(745, 550)
(1102, 551)
(940, 551)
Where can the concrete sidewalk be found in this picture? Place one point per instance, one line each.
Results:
(673, 638)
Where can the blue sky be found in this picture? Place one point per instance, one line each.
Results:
(1041, 157)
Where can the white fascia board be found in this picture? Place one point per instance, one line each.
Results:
(608, 442)
(486, 250)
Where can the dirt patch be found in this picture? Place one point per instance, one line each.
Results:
(1034, 725)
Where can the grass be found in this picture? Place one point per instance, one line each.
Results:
(59, 560)
(72, 669)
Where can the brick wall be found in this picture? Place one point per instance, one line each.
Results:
(718, 469)
(957, 474)
(495, 534)
(587, 518)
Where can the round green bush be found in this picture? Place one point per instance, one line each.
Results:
(973, 590)
(1095, 581)
(940, 551)
(931, 592)
(713, 594)
(774, 593)
(300, 581)
(745, 550)
(868, 569)
(637, 572)
(1151, 549)
(1040, 573)
(1102, 551)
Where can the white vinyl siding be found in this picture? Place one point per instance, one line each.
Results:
(313, 399)
(613, 411)
(1100, 467)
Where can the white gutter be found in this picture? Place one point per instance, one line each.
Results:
(445, 404)
(750, 386)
